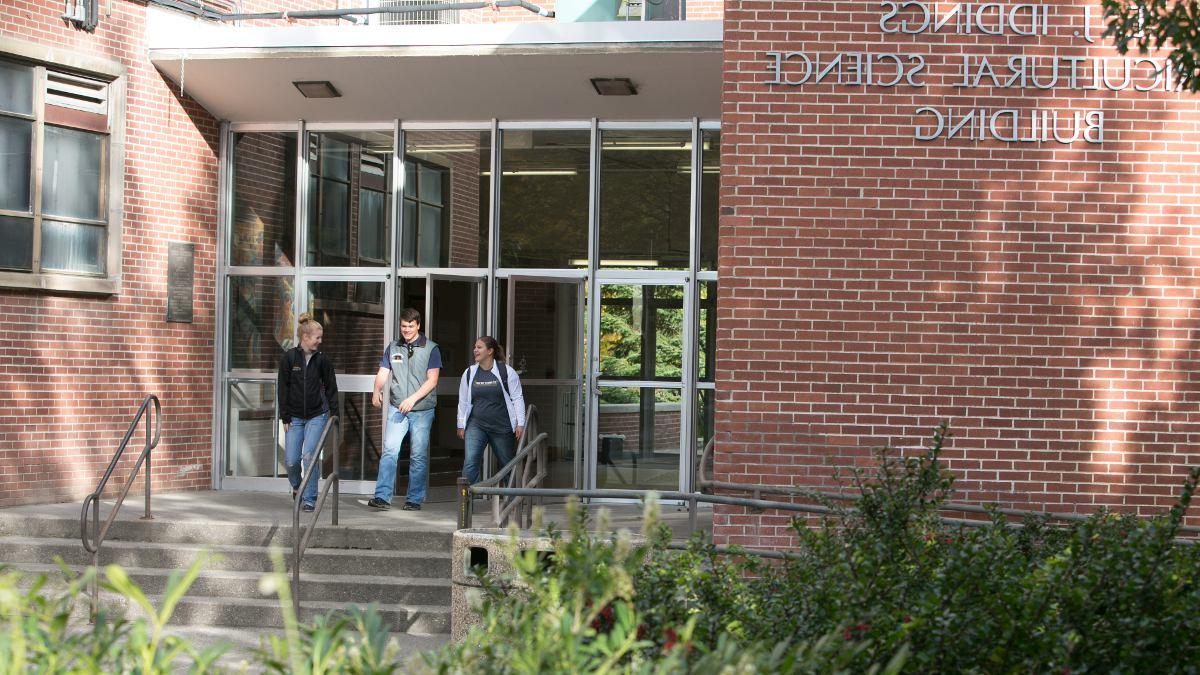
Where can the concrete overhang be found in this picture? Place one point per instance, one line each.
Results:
(524, 71)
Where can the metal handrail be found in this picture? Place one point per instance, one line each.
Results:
(530, 459)
(816, 495)
(300, 543)
(153, 423)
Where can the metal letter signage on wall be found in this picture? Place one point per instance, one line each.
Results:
(181, 272)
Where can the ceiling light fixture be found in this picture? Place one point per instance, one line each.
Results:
(318, 89)
(614, 86)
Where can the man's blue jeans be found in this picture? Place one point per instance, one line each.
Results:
(418, 423)
(301, 441)
(503, 444)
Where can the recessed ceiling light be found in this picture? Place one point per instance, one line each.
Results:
(614, 86)
(318, 89)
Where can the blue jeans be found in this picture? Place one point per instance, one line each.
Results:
(503, 444)
(301, 439)
(418, 422)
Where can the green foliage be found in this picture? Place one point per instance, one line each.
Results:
(1147, 25)
(605, 603)
(882, 584)
(40, 635)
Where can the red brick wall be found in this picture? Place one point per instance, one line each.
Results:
(1043, 297)
(76, 367)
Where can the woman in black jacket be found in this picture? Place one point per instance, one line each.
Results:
(307, 398)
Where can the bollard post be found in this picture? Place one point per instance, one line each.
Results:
(464, 503)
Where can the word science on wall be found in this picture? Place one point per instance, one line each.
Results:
(970, 71)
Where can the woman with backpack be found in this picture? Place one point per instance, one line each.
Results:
(491, 407)
(308, 397)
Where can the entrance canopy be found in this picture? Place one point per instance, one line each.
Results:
(444, 72)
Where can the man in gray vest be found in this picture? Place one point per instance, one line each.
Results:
(411, 366)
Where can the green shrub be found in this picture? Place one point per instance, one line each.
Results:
(885, 583)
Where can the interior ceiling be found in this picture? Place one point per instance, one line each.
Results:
(675, 81)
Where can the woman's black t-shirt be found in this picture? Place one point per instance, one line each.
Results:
(488, 409)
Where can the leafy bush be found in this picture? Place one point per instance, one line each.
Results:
(884, 583)
(43, 630)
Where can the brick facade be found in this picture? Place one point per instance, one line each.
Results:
(76, 367)
(1042, 296)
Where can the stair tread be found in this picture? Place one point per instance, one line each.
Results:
(324, 605)
(255, 575)
(230, 548)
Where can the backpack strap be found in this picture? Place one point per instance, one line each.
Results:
(503, 370)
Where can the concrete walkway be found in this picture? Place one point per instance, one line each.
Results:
(438, 515)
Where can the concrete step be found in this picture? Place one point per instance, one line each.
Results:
(425, 564)
(242, 534)
(243, 643)
(354, 589)
(266, 613)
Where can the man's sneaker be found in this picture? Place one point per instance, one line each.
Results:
(409, 506)
(377, 503)
(308, 507)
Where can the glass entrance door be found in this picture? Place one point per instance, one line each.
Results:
(356, 315)
(453, 309)
(542, 320)
(638, 407)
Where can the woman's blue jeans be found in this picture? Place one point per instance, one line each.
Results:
(301, 441)
(503, 444)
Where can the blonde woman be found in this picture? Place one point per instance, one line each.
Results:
(307, 398)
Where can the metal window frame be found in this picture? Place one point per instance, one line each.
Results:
(589, 278)
(112, 198)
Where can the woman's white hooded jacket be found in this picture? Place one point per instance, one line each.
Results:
(514, 398)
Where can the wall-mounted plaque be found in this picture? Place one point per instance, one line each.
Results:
(181, 272)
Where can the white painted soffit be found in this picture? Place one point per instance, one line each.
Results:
(475, 72)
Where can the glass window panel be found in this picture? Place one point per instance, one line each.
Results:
(430, 236)
(454, 325)
(408, 256)
(261, 322)
(16, 146)
(16, 88)
(706, 427)
(16, 243)
(707, 351)
(546, 344)
(264, 199)
(361, 439)
(410, 180)
(335, 158)
(638, 438)
(372, 225)
(334, 222)
(451, 173)
(645, 199)
(73, 247)
(348, 223)
(72, 185)
(640, 320)
(710, 195)
(354, 331)
(559, 415)
(254, 438)
(543, 211)
(429, 184)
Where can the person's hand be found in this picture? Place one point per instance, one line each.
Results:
(287, 426)
(376, 399)
(518, 432)
(407, 404)
(462, 433)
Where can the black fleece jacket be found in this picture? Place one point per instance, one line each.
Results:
(306, 391)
